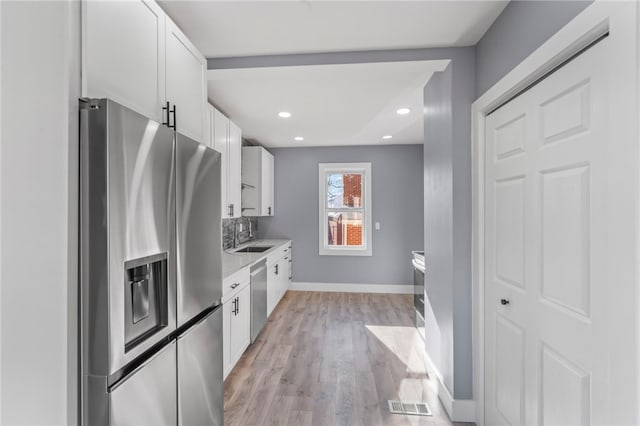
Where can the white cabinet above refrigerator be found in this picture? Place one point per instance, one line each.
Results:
(134, 54)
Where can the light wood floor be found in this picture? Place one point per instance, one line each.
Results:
(332, 359)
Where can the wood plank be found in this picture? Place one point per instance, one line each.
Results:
(332, 359)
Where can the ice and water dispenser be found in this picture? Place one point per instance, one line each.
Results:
(146, 284)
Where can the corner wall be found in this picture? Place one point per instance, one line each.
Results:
(38, 188)
(447, 224)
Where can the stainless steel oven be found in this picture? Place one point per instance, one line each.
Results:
(418, 288)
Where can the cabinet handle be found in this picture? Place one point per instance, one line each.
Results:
(504, 302)
(276, 269)
(230, 210)
(166, 108)
(269, 211)
(233, 311)
(237, 305)
(234, 285)
(175, 119)
(170, 111)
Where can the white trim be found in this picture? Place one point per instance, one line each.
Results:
(353, 288)
(460, 410)
(365, 170)
(0, 212)
(621, 21)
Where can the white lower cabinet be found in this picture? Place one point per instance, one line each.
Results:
(236, 309)
(277, 282)
(236, 321)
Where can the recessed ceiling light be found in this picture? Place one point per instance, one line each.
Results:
(299, 138)
(403, 111)
(387, 137)
(284, 114)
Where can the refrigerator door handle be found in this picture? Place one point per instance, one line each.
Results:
(121, 377)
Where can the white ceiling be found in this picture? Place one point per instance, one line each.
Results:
(248, 28)
(330, 104)
(351, 104)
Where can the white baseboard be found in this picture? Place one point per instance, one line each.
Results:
(459, 410)
(354, 288)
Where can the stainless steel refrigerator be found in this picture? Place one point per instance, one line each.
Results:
(150, 273)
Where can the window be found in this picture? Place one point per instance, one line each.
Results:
(345, 209)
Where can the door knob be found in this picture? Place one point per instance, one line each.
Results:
(504, 302)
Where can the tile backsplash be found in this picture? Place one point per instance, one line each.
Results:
(249, 230)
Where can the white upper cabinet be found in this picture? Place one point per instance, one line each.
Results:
(209, 120)
(257, 182)
(234, 194)
(220, 144)
(227, 139)
(185, 77)
(134, 54)
(266, 183)
(123, 54)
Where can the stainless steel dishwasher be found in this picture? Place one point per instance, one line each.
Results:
(258, 298)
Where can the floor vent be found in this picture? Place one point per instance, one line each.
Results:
(413, 408)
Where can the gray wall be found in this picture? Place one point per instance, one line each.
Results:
(396, 204)
(447, 220)
(438, 224)
(519, 30)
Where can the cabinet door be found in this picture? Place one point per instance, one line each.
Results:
(210, 124)
(220, 136)
(227, 315)
(266, 184)
(241, 324)
(234, 147)
(185, 82)
(283, 277)
(288, 269)
(272, 288)
(123, 54)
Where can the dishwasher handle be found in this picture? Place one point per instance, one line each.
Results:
(258, 268)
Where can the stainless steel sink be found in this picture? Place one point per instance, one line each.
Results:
(253, 249)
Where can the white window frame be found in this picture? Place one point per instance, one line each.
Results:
(365, 170)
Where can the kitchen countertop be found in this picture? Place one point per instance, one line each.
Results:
(233, 262)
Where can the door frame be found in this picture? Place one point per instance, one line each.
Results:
(621, 22)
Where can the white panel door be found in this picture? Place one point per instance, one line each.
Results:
(185, 83)
(234, 183)
(547, 167)
(123, 53)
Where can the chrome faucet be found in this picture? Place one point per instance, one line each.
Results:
(235, 234)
